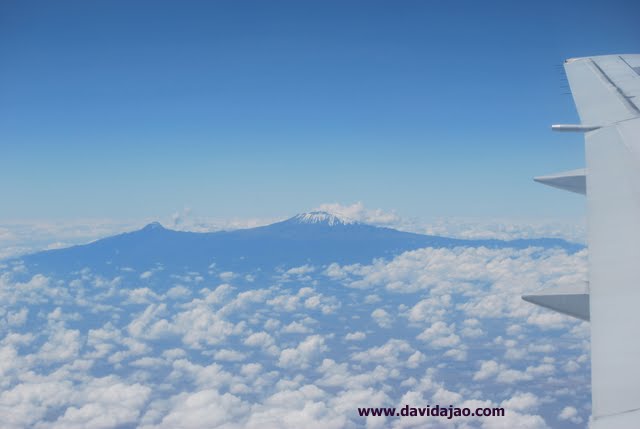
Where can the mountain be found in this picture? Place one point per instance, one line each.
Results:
(308, 238)
(181, 342)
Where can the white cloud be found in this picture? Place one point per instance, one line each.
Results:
(415, 359)
(245, 358)
(487, 369)
(446, 271)
(146, 275)
(305, 298)
(62, 345)
(200, 325)
(430, 309)
(547, 319)
(358, 212)
(18, 318)
(104, 403)
(302, 355)
(205, 408)
(521, 402)
(27, 403)
(301, 271)
(140, 296)
(227, 276)
(229, 355)
(259, 339)
(296, 328)
(393, 353)
(178, 292)
(303, 407)
(570, 413)
(440, 335)
(382, 318)
(355, 336)
(515, 420)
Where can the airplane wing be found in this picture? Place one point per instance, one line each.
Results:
(606, 91)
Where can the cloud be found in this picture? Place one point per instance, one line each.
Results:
(393, 353)
(515, 420)
(303, 407)
(487, 369)
(358, 212)
(571, 414)
(305, 298)
(452, 270)
(302, 352)
(302, 355)
(430, 309)
(18, 318)
(504, 374)
(259, 339)
(296, 328)
(205, 408)
(382, 318)
(62, 345)
(141, 296)
(355, 336)
(229, 355)
(227, 276)
(104, 403)
(440, 335)
(522, 402)
(146, 275)
(27, 403)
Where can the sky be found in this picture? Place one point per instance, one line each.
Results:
(265, 109)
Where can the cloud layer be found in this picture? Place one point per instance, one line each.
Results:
(299, 347)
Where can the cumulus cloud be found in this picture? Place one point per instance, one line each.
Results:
(302, 347)
(487, 369)
(306, 298)
(355, 336)
(296, 328)
(526, 401)
(382, 318)
(393, 353)
(306, 406)
(440, 335)
(104, 403)
(205, 408)
(571, 414)
(62, 345)
(229, 355)
(259, 339)
(302, 355)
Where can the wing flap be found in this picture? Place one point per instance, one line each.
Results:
(574, 305)
(572, 181)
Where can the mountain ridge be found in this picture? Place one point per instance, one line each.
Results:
(307, 238)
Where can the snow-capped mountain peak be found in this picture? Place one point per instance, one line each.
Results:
(324, 218)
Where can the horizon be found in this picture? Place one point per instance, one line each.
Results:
(22, 237)
(371, 164)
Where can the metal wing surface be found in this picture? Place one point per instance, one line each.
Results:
(606, 91)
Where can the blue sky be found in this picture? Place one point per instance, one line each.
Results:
(138, 109)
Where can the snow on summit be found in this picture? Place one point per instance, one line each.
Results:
(320, 217)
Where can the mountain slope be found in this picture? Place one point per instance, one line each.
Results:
(316, 238)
